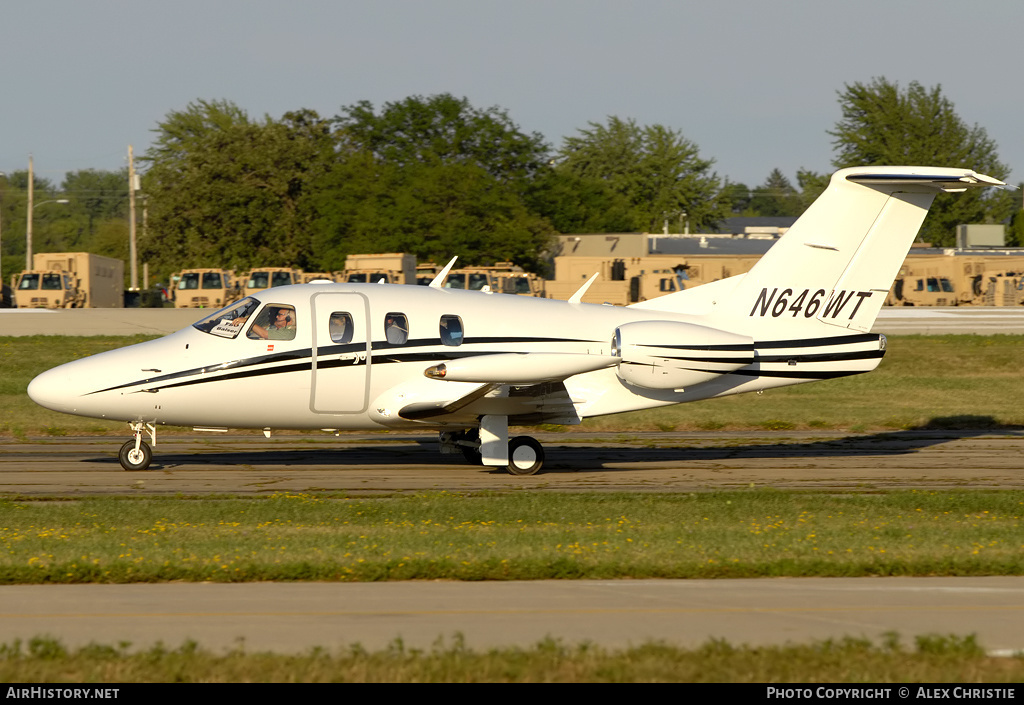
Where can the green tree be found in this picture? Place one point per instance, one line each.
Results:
(228, 191)
(776, 197)
(433, 177)
(50, 225)
(738, 196)
(812, 184)
(443, 129)
(884, 124)
(98, 203)
(578, 204)
(656, 170)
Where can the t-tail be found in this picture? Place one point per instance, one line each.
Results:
(835, 266)
(811, 300)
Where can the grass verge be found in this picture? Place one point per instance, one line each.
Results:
(514, 536)
(933, 659)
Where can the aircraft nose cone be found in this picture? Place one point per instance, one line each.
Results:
(51, 389)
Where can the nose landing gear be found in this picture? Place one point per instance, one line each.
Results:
(136, 453)
(135, 458)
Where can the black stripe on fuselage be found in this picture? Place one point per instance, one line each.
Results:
(382, 352)
(818, 342)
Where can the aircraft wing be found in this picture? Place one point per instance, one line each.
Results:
(524, 386)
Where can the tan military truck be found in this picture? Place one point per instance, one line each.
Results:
(503, 277)
(70, 280)
(470, 278)
(1001, 288)
(204, 288)
(938, 280)
(389, 267)
(627, 280)
(308, 277)
(266, 277)
(426, 272)
(520, 283)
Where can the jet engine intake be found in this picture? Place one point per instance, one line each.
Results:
(675, 355)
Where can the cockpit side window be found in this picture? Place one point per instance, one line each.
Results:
(274, 322)
(396, 328)
(229, 321)
(451, 330)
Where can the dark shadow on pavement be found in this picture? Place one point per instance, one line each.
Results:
(568, 452)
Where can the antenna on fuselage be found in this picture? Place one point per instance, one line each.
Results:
(578, 296)
(439, 279)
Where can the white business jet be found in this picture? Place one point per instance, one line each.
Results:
(470, 363)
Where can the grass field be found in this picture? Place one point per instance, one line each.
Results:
(513, 536)
(951, 381)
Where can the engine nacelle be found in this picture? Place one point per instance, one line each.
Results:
(674, 355)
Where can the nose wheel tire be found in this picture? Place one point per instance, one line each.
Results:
(525, 456)
(132, 459)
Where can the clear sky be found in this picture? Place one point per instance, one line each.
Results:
(752, 82)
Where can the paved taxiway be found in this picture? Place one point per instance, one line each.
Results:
(294, 617)
(386, 462)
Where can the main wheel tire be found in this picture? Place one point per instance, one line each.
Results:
(132, 459)
(525, 456)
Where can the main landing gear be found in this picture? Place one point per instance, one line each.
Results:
(136, 453)
(525, 456)
(490, 445)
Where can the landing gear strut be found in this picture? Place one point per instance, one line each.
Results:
(136, 453)
(521, 455)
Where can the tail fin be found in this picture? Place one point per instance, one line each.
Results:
(835, 265)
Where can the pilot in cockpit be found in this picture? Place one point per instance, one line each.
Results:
(276, 323)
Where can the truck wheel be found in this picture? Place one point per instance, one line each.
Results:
(132, 459)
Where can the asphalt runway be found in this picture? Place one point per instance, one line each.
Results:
(360, 464)
(296, 617)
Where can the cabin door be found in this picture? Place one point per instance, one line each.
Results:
(341, 353)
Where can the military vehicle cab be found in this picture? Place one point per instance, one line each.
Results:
(204, 288)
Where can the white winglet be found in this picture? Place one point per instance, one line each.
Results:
(578, 296)
(439, 279)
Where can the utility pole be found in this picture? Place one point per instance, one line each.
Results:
(28, 231)
(1, 241)
(131, 222)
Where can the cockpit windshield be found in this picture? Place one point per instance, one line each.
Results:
(229, 321)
